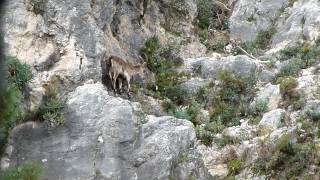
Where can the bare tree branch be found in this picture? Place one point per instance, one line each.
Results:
(222, 5)
(250, 55)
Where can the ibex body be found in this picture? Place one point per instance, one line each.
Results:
(119, 67)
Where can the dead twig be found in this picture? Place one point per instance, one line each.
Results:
(222, 5)
(250, 55)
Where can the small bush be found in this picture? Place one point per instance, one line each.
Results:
(177, 94)
(52, 108)
(263, 38)
(313, 115)
(232, 99)
(52, 111)
(259, 107)
(299, 57)
(214, 127)
(206, 137)
(208, 14)
(20, 74)
(287, 84)
(168, 106)
(161, 60)
(38, 6)
(17, 76)
(234, 167)
(291, 69)
(27, 171)
(11, 100)
(285, 145)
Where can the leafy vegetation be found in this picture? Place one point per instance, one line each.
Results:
(234, 167)
(289, 159)
(208, 12)
(228, 102)
(232, 99)
(52, 107)
(287, 84)
(26, 171)
(259, 44)
(263, 38)
(38, 6)
(161, 60)
(18, 75)
(288, 92)
(258, 107)
(298, 57)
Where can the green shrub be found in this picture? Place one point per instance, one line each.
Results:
(287, 84)
(291, 69)
(52, 111)
(259, 107)
(26, 171)
(177, 94)
(206, 137)
(214, 127)
(299, 57)
(234, 167)
(285, 145)
(205, 13)
(313, 115)
(20, 74)
(263, 38)
(38, 6)
(17, 75)
(208, 14)
(168, 106)
(206, 94)
(11, 100)
(161, 60)
(232, 99)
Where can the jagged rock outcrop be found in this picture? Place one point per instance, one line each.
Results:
(288, 19)
(108, 138)
(250, 17)
(68, 39)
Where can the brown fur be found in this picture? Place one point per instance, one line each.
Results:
(118, 66)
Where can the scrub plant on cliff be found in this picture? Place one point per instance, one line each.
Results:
(161, 60)
(17, 76)
(52, 107)
(27, 171)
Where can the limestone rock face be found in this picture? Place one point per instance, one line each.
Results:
(302, 22)
(71, 39)
(104, 137)
(297, 19)
(249, 17)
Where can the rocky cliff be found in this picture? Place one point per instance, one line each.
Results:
(237, 89)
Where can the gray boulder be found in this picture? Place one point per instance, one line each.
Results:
(271, 94)
(241, 66)
(211, 67)
(104, 137)
(272, 119)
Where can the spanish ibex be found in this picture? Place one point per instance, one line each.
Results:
(118, 66)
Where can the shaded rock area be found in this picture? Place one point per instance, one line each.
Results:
(108, 138)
